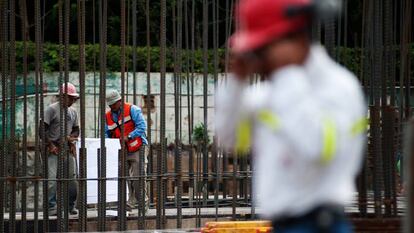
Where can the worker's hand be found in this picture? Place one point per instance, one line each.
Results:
(124, 138)
(71, 139)
(72, 149)
(241, 65)
(53, 149)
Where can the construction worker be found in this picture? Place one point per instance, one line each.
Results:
(133, 137)
(304, 124)
(52, 121)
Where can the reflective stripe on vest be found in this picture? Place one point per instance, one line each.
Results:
(269, 119)
(244, 129)
(112, 126)
(329, 137)
(360, 126)
(243, 134)
(126, 119)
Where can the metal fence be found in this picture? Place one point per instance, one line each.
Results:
(187, 180)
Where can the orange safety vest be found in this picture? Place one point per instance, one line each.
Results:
(129, 126)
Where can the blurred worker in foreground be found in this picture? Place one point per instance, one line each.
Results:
(133, 137)
(52, 125)
(305, 123)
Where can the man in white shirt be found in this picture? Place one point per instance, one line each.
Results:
(304, 125)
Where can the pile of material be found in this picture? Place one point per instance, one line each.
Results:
(238, 226)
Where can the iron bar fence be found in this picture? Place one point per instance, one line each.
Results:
(191, 178)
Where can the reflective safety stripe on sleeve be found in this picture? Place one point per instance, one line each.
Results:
(359, 126)
(329, 136)
(269, 119)
(243, 136)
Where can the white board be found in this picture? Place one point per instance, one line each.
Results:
(112, 147)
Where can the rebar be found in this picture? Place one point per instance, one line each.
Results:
(38, 74)
(103, 5)
(377, 68)
(197, 26)
(82, 149)
(205, 100)
(123, 153)
(23, 12)
(3, 54)
(134, 50)
(178, 108)
(149, 100)
(162, 165)
(12, 152)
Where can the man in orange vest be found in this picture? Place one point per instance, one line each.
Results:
(133, 136)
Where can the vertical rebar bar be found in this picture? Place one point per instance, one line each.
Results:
(409, 173)
(178, 149)
(388, 111)
(12, 152)
(376, 133)
(191, 103)
(205, 100)
(141, 190)
(215, 73)
(82, 149)
(123, 153)
(160, 188)
(43, 145)
(65, 121)
(134, 50)
(234, 183)
(149, 99)
(3, 149)
(102, 80)
(38, 73)
(405, 58)
(4, 75)
(23, 13)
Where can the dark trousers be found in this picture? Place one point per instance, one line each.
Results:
(324, 219)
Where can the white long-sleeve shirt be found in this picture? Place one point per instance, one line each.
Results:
(306, 127)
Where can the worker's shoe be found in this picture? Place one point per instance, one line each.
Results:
(73, 211)
(53, 212)
(129, 207)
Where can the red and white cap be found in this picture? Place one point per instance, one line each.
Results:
(69, 89)
(262, 21)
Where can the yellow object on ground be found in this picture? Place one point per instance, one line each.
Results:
(238, 226)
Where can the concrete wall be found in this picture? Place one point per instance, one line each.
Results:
(113, 81)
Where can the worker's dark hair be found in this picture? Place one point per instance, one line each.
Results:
(317, 10)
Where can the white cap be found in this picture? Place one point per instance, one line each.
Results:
(112, 97)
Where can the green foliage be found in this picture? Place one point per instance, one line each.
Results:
(51, 58)
(198, 134)
(349, 57)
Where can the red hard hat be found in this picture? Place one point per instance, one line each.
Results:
(69, 89)
(262, 21)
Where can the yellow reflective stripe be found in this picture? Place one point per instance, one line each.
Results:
(243, 133)
(359, 126)
(329, 141)
(269, 119)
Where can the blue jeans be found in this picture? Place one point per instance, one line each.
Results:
(52, 185)
(310, 226)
